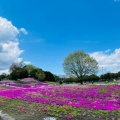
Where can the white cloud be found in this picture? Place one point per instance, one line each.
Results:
(18, 60)
(27, 62)
(4, 71)
(109, 62)
(10, 51)
(8, 32)
(9, 44)
(23, 30)
(107, 51)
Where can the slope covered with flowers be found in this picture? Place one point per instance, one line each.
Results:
(97, 97)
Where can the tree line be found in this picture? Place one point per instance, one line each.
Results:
(20, 71)
(78, 66)
(94, 78)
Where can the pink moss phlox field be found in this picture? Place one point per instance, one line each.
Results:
(69, 117)
(97, 97)
(12, 84)
(27, 79)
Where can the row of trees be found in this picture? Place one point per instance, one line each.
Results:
(110, 76)
(90, 78)
(20, 70)
(79, 66)
(94, 78)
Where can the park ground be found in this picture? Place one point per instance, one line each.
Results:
(25, 110)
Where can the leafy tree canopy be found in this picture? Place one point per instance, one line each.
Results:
(29, 68)
(79, 64)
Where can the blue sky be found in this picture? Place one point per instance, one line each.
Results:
(56, 28)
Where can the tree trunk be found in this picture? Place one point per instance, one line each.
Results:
(81, 80)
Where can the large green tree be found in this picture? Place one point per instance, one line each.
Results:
(29, 68)
(79, 64)
(49, 76)
(3, 76)
(16, 65)
(40, 75)
(17, 71)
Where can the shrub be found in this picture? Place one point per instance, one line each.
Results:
(49, 76)
(71, 80)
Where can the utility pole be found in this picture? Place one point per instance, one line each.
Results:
(102, 70)
(102, 73)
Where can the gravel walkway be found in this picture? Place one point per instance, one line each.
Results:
(4, 116)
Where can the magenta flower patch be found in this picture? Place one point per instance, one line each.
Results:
(98, 97)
